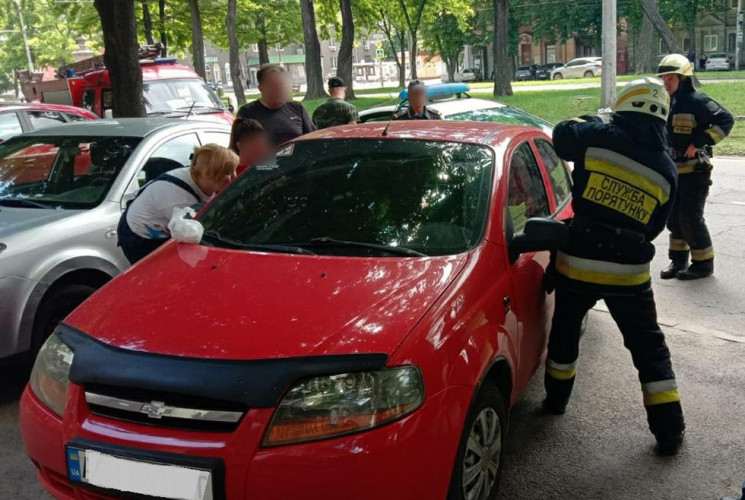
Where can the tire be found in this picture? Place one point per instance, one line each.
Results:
(489, 412)
(558, 76)
(588, 74)
(54, 308)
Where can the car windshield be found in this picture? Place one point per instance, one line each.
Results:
(62, 171)
(524, 68)
(358, 197)
(505, 114)
(180, 96)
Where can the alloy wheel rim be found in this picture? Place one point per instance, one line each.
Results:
(482, 456)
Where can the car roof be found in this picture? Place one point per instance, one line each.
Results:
(433, 130)
(122, 127)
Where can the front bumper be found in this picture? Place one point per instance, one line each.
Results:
(410, 458)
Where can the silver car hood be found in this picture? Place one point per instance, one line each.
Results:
(17, 220)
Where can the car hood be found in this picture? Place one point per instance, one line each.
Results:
(16, 220)
(203, 302)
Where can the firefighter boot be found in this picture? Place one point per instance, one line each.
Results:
(670, 444)
(697, 270)
(671, 271)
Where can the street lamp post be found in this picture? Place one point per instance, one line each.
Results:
(25, 38)
(738, 39)
(608, 76)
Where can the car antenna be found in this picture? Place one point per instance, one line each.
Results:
(390, 120)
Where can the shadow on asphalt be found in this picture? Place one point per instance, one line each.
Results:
(13, 380)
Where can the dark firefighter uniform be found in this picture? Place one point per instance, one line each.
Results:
(696, 120)
(408, 114)
(624, 186)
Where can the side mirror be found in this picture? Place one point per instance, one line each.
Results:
(538, 235)
(127, 198)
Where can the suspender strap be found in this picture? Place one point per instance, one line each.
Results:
(178, 182)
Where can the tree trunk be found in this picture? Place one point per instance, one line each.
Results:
(644, 50)
(502, 59)
(235, 53)
(344, 64)
(412, 54)
(450, 64)
(197, 40)
(652, 11)
(402, 62)
(313, 66)
(147, 23)
(162, 26)
(120, 42)
(263, 44)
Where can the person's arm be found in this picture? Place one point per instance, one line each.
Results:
(354, 116)
(315, 119)
(716, 123)
(308, 125)
(571, 137)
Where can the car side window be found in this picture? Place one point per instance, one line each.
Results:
(526, 195)
(72, 117)
(172, 154)
(10, 126)
(45, 119)
(220, 138)
(558, 174)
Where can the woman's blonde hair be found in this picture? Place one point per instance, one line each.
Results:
(213, 161)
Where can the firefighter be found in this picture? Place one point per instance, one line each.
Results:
(417, 109)
(624, 186)
(696, 123)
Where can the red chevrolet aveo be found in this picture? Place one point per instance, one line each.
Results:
(355, 324)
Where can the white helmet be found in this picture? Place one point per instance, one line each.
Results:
(675, 64)
(645, 95)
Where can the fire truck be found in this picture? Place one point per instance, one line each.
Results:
(171, 90)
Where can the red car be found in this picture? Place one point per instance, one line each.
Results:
(16, 119)
(356, 322)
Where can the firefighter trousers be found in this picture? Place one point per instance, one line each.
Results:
(636, 317)
(688, 232)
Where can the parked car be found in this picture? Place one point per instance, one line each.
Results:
(583, 67)
(464, 75)
(453, 103)
(62, 191)
(544, 72)
(719, 62)
(18, 118)
(524, 73)
(367, 308)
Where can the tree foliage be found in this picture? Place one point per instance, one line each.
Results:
(445, 35)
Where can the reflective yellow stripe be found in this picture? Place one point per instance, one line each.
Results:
(686, 169)
(702, 254)
(684, 120)
(677, 245)
(561, 371)
(716, 134)
(601, 272)
(660, 398)
(631, 94)
(629, 171)
(659, 386)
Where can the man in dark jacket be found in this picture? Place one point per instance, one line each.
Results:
(696, 123)
(624, 187)
(282, 118)
(417, 108)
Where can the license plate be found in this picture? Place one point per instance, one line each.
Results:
(158, 480)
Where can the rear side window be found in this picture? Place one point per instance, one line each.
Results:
(75, 118)
(178, 149)
(10, 125)
(558, 175)
(526, 196)
(45, 119)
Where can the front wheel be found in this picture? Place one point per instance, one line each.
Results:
(558, 76)
(478, 465)
(55, 307)
(589, 74)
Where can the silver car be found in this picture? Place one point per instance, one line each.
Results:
(62, 192)
(582, 67)
(719, 62)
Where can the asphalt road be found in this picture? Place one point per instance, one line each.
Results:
(601, 449)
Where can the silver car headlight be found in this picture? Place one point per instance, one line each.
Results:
(51, 373)
(334, 405)
(3, 246)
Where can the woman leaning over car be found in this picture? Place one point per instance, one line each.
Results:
(144, 224)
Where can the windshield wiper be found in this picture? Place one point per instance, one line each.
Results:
(22, 203)
(215, 237)
(331, 242)
(203, 107)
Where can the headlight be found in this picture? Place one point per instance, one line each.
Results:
(3, 246)
(323, 407)
(51, 373)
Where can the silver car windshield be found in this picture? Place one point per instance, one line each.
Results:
(61, 172)
(163, 97)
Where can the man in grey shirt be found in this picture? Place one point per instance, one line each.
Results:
(282, 118)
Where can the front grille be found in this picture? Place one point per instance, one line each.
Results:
(156, 408)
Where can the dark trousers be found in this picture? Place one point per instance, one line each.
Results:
(688, 231)
(134, 246)
(636, 317)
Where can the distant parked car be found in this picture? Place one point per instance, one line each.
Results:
(18, 118)
(544, 72)
(524, 73)
(583, 67)
(719, 62)
(464, 75)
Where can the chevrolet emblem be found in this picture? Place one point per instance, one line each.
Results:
(154, 409)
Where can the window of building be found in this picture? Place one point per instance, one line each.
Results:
(732, 4)
(550, 53)
(686, 44)
(254, 47)
(732, 42)
(662, 47)
(710, 43)
(333, 62)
